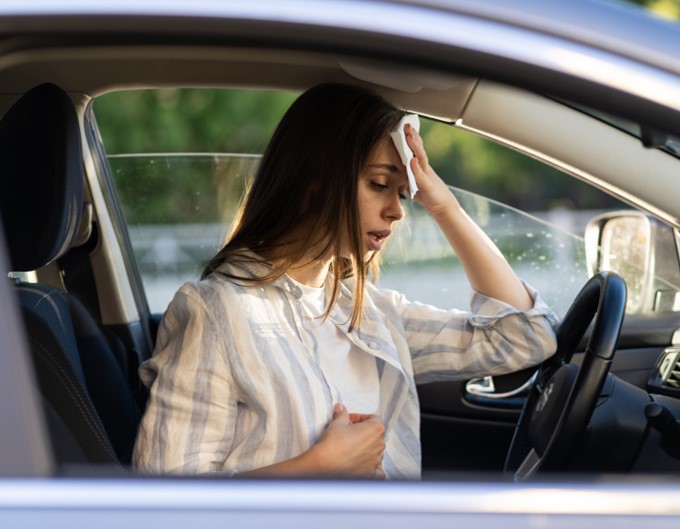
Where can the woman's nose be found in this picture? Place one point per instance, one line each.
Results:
(395, 209)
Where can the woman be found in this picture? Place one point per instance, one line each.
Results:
(284, 359)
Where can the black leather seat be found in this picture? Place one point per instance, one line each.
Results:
(90, 408)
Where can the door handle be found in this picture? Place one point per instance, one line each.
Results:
(484, 388)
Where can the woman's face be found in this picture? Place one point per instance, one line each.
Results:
(383, 184)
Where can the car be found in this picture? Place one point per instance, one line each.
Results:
(586, 92)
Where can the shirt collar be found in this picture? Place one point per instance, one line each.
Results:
(371, 335)
(254, 266)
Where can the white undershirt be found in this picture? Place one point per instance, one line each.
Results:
(352, 371)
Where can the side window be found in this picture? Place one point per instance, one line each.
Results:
(178, 204)
(172, 158)
(178, 208)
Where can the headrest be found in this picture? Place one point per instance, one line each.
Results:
(41, 177)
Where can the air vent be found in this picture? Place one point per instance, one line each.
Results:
(665, 378)
(673, 376)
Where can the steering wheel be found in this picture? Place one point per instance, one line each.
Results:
(563, 397)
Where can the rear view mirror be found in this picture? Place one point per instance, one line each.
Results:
(643, 251)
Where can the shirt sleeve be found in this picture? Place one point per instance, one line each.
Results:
(493, 338)
(188, 425)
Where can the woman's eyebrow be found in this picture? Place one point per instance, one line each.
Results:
(389, 166)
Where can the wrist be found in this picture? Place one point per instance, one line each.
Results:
(444, 208)
(314, 460)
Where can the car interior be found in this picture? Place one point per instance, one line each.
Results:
(87, 322)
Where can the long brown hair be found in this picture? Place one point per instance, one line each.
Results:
(308, 176)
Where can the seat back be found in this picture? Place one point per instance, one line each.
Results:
(89, 406)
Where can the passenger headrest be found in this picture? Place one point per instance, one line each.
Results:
(41, 177)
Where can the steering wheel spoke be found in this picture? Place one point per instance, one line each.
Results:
(530, 465)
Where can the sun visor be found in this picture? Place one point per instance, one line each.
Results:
(428, 92)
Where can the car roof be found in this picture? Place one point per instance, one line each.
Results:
(365, 28)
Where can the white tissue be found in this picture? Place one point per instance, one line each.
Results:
(405, 153)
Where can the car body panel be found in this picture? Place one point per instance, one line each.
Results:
(213, 503)
(613, 58)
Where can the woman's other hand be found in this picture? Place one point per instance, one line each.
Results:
(352, 445)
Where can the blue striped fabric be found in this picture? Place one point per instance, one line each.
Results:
(235, 382)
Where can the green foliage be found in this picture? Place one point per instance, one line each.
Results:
(189, 120)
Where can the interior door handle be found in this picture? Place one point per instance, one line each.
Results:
(486, 389)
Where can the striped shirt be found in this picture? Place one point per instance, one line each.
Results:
(236, 384)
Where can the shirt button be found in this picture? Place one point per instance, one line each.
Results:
(373, 345)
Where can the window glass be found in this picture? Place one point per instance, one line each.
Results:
(420, 263)
(178, 208)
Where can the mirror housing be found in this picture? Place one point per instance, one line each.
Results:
(643, 251)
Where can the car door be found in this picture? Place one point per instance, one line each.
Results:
(177, 207)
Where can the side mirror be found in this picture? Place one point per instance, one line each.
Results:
(643, 251)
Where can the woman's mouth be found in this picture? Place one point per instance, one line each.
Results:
(376, 238)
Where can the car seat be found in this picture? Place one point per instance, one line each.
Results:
(90, 409)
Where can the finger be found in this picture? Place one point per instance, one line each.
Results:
(359, 417)
(380, 459)
(379, 473)
(415, 142)
(415, 167)
(421, 173)
(374, 421)
(339, 410)
(413, 138)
